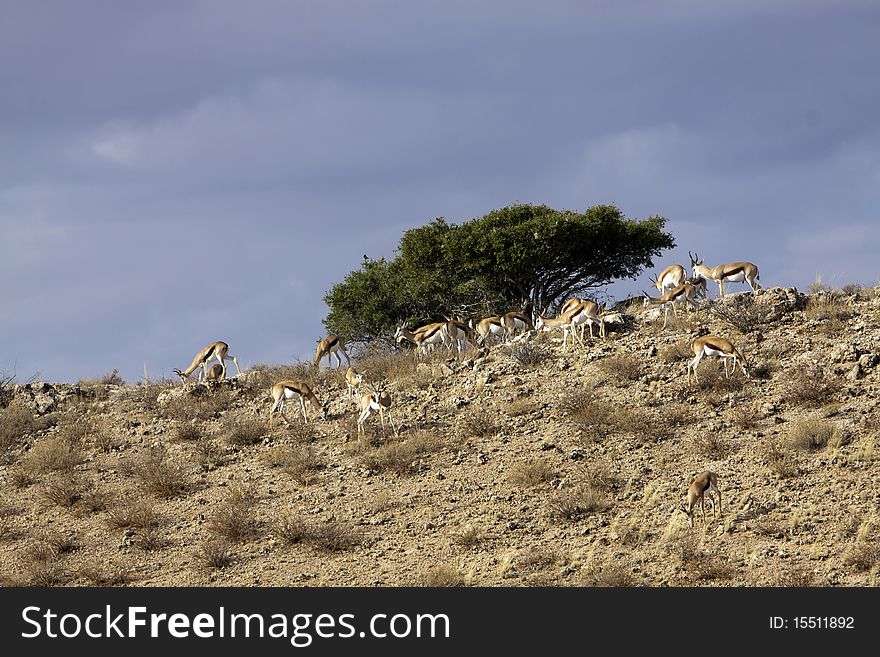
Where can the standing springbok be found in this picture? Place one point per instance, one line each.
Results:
(488, 327)
(284, 390)
(332, 345)
(353, 380)
(369, 404)
(586, 312)
(218, 350)
(704, 484)
(685, 292)
(456, 334)
(672, 276)
(561, 323)
(734, 272)
(712, 345)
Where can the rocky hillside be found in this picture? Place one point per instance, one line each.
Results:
(510, 465)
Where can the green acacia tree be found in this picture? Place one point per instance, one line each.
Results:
(528, 257)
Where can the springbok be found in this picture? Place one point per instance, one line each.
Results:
(284, 390)
(734, 272)
(218, 350)
(703, 485)
(712, 345)
(332, 345)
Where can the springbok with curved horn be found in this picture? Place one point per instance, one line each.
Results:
(734, 272)
(712, 345)
(673, 297)
(332, 345)
(703, 485)
(216, 350)
(284, 390)
(672, 276)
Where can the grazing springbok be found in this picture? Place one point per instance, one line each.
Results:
(332, 345)
(703, 485)
(712, 345)
(561, 323)
(671, 298)
(672, 276)
(216, 350)
(423, 337)
(515, 321)
(734, 272)
(456, 334)
(284, 390)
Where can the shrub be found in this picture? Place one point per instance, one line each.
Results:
(328, 536)
(780, 461)
(712, 445)
(200, 403)
(442, 575)
(214, 553)
(528, 353)
(530, 473)
(623, 368)
(742, 313)
(234, 520)
(243, 431)
(160, 475)
(16, 422)
(811, 434)
(52, 454)
(401, 457)
(812, 386)
(65, 491)
(134, 513)
(209, 455)
(575, 503)
(298, 462)
(480, 424)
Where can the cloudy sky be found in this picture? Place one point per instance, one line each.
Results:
(174, 173)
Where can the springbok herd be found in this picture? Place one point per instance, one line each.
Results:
(673, 284)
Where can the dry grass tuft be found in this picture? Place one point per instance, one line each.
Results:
(812, 386)
(530, 473)
(53, 454)
(572, 504)
(98, 572)
(712, 445)
(326, 536)
(66, 490)
(480, 424)
(402, 457)
(234, 518)
(528, 354)
(214, 554)
(200, 403)
(811, 434)
(16, 423)
(300, 463)
(442, 575)
(609, 575)
(779, 459)
(159, 474)
(241, 432)
(133, 513)
(622, 368)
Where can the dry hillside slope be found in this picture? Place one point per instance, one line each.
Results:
(513, 465)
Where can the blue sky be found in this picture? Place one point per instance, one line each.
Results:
(174, 173)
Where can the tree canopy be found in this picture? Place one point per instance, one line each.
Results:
(523, 257)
